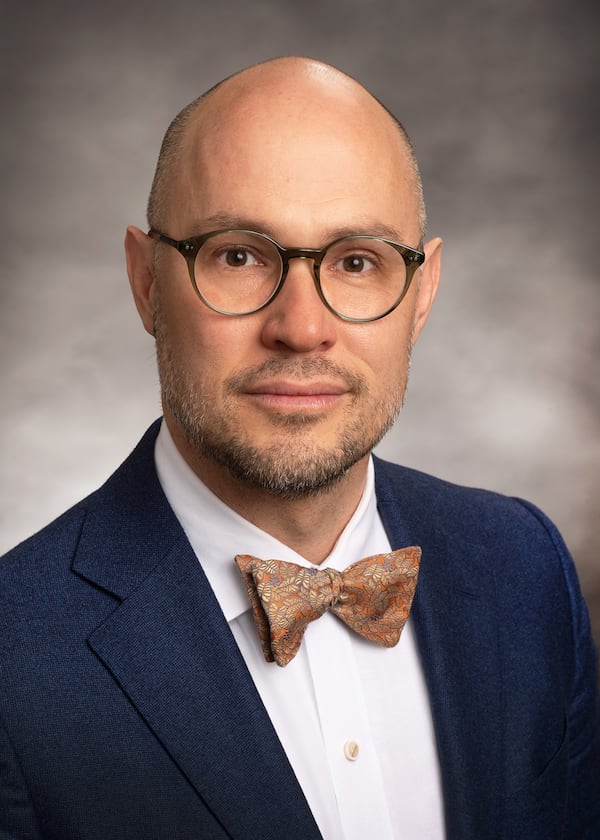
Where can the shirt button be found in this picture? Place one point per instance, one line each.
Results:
(351, 750)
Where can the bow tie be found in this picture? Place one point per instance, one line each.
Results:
(373, 597)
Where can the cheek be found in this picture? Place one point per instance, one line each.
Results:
(383, 348)
(210, 346)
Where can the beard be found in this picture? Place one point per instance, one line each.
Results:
(293, 464)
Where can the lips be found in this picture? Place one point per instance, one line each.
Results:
(296, 396)
(296, 389)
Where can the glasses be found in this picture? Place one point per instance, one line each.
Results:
(239, 272)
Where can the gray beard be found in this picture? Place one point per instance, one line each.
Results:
(292, 468)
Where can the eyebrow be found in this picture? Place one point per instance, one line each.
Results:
(225, 221)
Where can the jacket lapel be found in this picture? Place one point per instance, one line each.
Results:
(457, 634)
(170, 649)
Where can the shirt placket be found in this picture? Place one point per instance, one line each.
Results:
(347, 739)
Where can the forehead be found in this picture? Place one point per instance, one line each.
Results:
(293, 152)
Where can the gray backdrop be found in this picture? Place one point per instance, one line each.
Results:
(501, 99)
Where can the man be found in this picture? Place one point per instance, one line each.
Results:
(285, 281)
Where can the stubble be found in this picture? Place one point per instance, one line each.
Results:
(294, 464)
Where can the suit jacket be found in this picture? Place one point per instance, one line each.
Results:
(127, 712)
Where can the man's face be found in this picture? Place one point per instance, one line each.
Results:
(289, 398)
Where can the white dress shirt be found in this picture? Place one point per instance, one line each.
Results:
(353, 718)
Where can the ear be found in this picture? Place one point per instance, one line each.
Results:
(428, 284)
(139, 253)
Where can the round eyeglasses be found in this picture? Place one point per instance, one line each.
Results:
(238, 272)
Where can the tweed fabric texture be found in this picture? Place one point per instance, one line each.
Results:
(373, 597)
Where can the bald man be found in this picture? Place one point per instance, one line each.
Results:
(200, 648)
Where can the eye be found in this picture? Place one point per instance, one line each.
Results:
(236, 256)
(355, 264)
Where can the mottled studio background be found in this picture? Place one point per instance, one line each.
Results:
(501, 99)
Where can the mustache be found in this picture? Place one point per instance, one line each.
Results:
(300, 369)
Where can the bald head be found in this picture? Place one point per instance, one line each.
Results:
(302, 90)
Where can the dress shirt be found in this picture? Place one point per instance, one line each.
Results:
(354, 719)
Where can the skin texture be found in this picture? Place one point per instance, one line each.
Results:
(277, 411)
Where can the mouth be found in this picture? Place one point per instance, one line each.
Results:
(288, 396)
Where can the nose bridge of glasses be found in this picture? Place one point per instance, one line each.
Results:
(309, 254)
(313, 255)
(301, 254)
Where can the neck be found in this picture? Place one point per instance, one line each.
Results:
(310, 525)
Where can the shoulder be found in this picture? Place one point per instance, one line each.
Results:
(39, 564)
(395, 483)
(500, 541)
(502, 548)
(498, 547)
(471, 510)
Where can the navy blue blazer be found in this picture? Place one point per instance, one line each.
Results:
(127, 712)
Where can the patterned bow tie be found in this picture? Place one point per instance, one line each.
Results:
(373, 597)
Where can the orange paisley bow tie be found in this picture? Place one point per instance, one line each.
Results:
(373, 597)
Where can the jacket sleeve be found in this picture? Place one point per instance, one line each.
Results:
(583, 713)
(17, 818)
(583, 726)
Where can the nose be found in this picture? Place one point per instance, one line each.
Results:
(297, 319)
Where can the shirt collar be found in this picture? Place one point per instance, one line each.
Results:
(217, 533)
